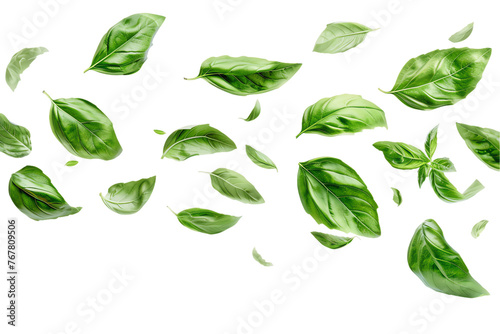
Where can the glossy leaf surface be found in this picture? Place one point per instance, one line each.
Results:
(331, 241)
(235, 186)
(423, 172)
(431, 142)
(340, 37)
(401, 155)
(462, 34)
(483, 142)
(15, 140)
(255, 112)
(259, 158)
(206, 221)
(396, 196)
(446, 191)
(128, 198)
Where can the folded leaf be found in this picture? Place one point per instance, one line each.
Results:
(259, 259)
(15, 140)
(479, 228)
(255, 112)
(20, 62)
(259, 158)
(423, 172)
(34, 195)
(463, 34)
(128, 198)
(438, 265)
(331, 241)
(206, 221)
(431, 142)
(396, 197)
(483, 142)
(341, 36)
(234, 185)
(342, 114)
(401, 155)
(446, 191)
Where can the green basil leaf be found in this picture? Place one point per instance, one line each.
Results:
(128, 198)
(463, 34)
(259, 158)
(431, 142)
(255, 112)
(34, 195)
(198, 140)
(401, 155)
(160, 132)
(438, 265)
(246, 75)
(124, 48)
(72, 163)
(423, 172)
(443, 164)
(15, 140)
(483, 142)
(206, 221)
(234, 185)
(20, 62)
(479, 228)
(341, 36)
(83, 129)
(341, 114)
(446, 191)
(259, 259)
(440, 78)
(335, 196)
(396, 197)
(331, 241)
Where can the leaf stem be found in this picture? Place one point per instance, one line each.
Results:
(383, 91)
(47, 95)
(191, 78)
(171, 210)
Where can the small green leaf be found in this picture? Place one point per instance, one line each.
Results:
(397, 196)
(206, 221)
(423, 172)
(259, 158)
(234, 185)
(259, 259)
(443, 164)
(401, 155)
(483, 142)
(128, 198)
(160, 132)
(447, 192)
(331, 241)
(463, 34)
(15, 140)
(431, 142)
(255, 112)
(20, 62)
(340, 37)
(72, 163)
(479, 228)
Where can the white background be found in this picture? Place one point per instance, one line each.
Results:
(185, 282)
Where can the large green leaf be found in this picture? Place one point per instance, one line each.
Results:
(438, 265)
(335, 196)
(32, 192)
(128, 198)
(246, 75)
(440, 78)
(341, 114)
(124, 48)
(15, 140)
(83, 129)
(206, 221)
(401, 155)
(197, 140)
(446, 191)
(19, 62)
(462, 34)
(340, 37)
(331, 241)
(234, 185)
(483, 142)
(259, 158)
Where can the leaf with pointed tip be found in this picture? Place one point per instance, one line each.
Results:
(72, 163)
(259, 158)
(15, 140)
(259, 259)
(443, 164)
(20, 62)
(335, 196)
(340, 37)
(255, 112)
(331, 241)
(160, 132)
(206, 221)
(128, 198)
(197, 140)
(440, 78)
(234, 185)
(423, 172)
(438, 265)
(396, 197)
(33, 194)
(463, 34)
(342, 114)
(431, 142)
(401, 155)
(478, 228)
(483, 142)
(446, 191)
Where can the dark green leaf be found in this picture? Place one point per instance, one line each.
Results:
(440, 78)
(19, 62)
(396, 197)
(341, 36)
(401, 155)
(198, 140)
(160, 132)
(479, 228)
(234, 185)
(128, 198)
(246, 75)
(483, 142)
(342, 114)
(260, 159)
(206, 221)
(124, 48)
(15, 140)
(331, 241)
(259, 259)
(443, 164)
(438, 265)
(72, 163)
(34, 195)
(446, 191)
(463, 34)
(431, 142)
(423, 172)
(335, 196)
(255, 112)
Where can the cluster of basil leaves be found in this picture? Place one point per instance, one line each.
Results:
(330, 190)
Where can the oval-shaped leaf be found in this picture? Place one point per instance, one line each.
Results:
(259, 158)
(15, 140)
(34, 195)
(463, 34)
(483, 142)
(19, 62)
(72, 163)
(446, 191)
(396, 197)
(340, 37)
(443, 164)
(206, 221)
(423, 172)
(438, 265)
(341, 114)
(124, 48)
(479, 228)
(198, 140)
(128, 198)
(331, 241)
(335, 196)
(160, 132)
(440, 78)
(259, 259)
(234, 185)
(401, 155)
(83, 129)
(255, 112)
(246, 75)
(431, 142)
